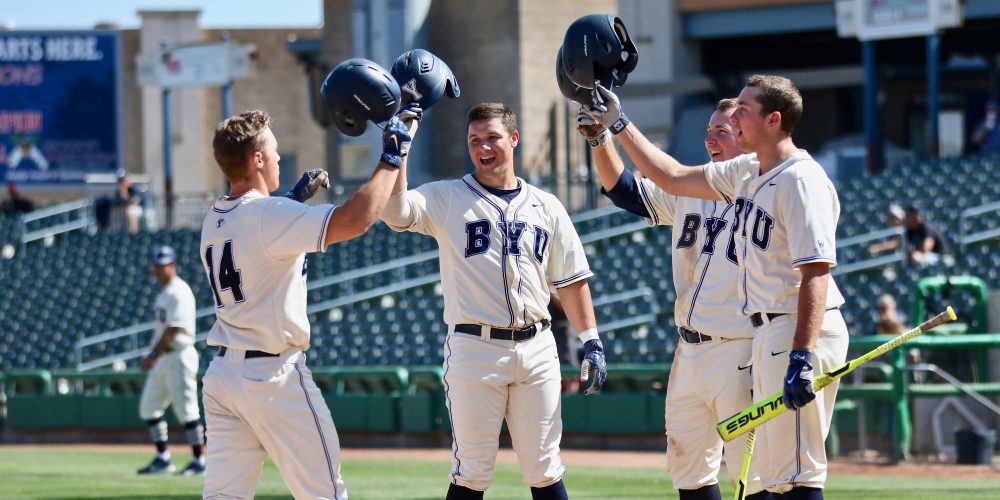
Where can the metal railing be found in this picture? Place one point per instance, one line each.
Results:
(55, 220)
(965, 236)
(898, 255)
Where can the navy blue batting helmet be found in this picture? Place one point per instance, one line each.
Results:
(597, 48)
(423, 78)
(358, 90)
(569, 89)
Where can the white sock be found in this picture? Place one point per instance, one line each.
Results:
(165, 456)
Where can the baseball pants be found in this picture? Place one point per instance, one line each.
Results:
(489, 380)
(268, 406)
(172, 382)
(708, 382)
(790, 450)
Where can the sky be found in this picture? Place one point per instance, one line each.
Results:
(84, 14)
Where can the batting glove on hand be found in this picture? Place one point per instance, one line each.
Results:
(593, 366)
(607, 109)
(395, 143)
(799, 380)
(595, 133)
(307, 186)
(410, 115)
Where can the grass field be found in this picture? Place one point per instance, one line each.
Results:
(73, 472)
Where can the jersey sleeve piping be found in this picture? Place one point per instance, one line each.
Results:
(320, 247)
(573, 279)
(814, 259)
(649, 206)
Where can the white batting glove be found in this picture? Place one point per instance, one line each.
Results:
(607, 109)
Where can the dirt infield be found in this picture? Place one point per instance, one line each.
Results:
(622, 459)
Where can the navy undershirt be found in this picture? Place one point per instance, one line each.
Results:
(507, 195)
(625, 194)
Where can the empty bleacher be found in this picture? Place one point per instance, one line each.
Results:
(85, 284)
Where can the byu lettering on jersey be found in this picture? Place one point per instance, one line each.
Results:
(527, 242)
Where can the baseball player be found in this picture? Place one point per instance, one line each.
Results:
(260, 398)
(709, 379)
(172, 364)
(501, 241)
(783, 241)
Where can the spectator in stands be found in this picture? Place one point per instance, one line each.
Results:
(888, 318)
(986, 136)
(123, 209)
(15, 203)
(925, 243)
(567, 343)
(894, 218)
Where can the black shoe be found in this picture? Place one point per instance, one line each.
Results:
(157, 466)
(193, 468)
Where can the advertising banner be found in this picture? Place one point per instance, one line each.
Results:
(60, 95)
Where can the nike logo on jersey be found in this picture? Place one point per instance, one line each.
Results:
(220, 223)
(778, 353)
(771, 184)
(741, 368)
(536, 204)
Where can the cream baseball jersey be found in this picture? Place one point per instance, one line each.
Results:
(253, 249)
(496, 257)
(175, 306)
(703, 261)
(784, 218)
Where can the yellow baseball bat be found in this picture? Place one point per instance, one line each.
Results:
(758, 413)
(741, 486)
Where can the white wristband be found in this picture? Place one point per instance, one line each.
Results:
(589, 334)
(599, 140)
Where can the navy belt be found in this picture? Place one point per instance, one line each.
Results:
(248, 354)
(692, 337)
(515, 334)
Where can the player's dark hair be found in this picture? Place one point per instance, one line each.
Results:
(778, 93)
(726, 104)
(236, 138)
(490, 110)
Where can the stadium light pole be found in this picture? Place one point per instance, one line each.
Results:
(933, 90)
(873, 130)
(168, 174)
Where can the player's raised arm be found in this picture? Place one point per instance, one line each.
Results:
(617, 183)
(355, 216)
(665, 171)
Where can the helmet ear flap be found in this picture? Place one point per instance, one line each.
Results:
(451, 87)
(630, 53)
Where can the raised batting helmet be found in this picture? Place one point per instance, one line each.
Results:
(423, 78)
(597, 48)
(358, 90)
(569, 89)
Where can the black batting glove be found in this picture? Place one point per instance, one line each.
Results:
(307, 186)
(799, 380)
(593, 368)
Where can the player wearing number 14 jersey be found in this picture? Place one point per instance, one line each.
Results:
(260, 399)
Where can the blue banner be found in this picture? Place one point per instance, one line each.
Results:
(60, 95)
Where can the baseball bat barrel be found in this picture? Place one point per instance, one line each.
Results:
(763, 411)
